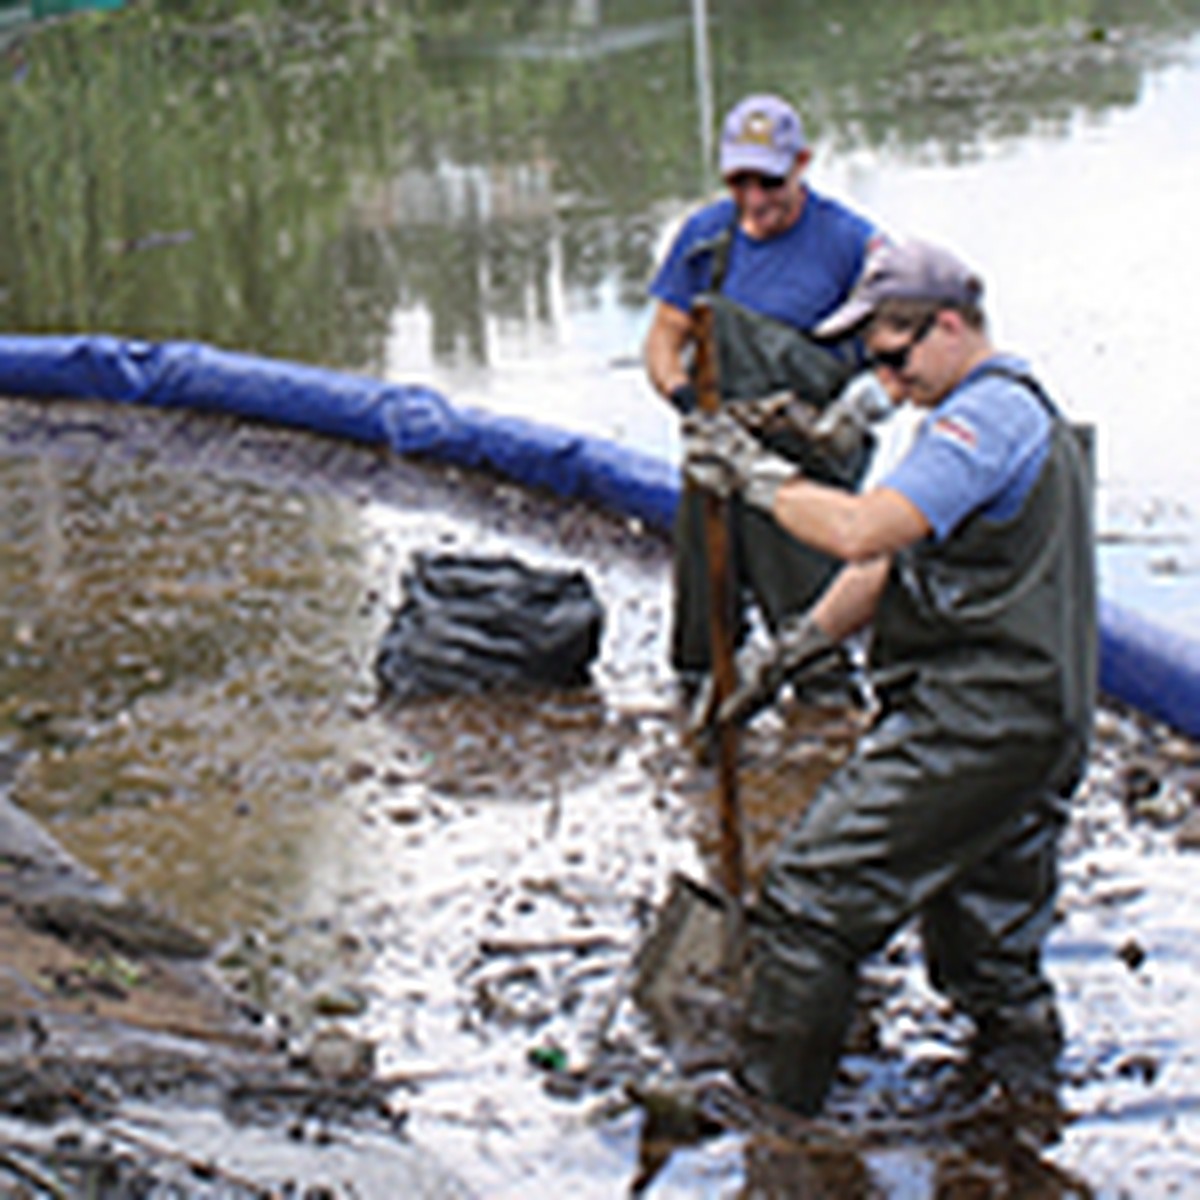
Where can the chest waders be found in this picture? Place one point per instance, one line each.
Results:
(951, 806)
(756, 356)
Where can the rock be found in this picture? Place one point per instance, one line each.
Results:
(1188, 780)
(336, 1055)
(359, 770)
(1180, 750)
(126, 925)
(339, 1002)
(1166, 806)
(1132, 953)
(1143, 1067)
(1139, 780)
(404, 814)
(1188, 835)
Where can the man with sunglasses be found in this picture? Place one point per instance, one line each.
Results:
(972, 563)
(772, 258)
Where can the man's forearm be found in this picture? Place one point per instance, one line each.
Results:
(850, 601)
(666, 372)
(663, 352)
(849, 526)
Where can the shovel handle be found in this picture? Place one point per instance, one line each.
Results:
(721, 608)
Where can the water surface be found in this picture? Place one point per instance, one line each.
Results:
(475, 196)
(190, 613)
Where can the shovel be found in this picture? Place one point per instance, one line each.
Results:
(696, 944)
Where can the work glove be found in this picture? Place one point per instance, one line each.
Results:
(683, 399)
(840, 428)
(799, 646)
(846, 424)
(723, 458)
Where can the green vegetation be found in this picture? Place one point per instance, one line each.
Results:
(280, 176)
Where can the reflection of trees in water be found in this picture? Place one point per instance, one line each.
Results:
(944, 96)
(164, 179)
(468, 272)
(281, 181)
(952, 76)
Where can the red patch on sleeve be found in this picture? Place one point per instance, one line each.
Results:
(957, 430)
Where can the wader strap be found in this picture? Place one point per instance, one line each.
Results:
(1025, 380)
(1085, 433)
(719, 246)
(722, 247)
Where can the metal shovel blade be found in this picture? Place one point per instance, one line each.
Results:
(684, 970)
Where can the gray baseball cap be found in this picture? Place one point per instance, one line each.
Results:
(761, 133)
(909, 270)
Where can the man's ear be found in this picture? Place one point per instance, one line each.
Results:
(950, 320)
(803, 158)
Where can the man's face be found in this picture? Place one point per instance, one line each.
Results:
(912, 363)
(768, 204)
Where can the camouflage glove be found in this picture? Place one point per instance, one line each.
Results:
(846, 423)
(799, 645)
(723, 458)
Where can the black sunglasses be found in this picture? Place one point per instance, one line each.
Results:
(896, 359)
(766, 183)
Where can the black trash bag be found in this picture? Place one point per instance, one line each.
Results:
(471, 623)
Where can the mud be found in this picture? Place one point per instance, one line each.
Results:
(422, 919)
(111, 1032)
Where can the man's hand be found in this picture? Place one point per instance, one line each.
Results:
(683, 399)
(841, 427)
(846, 423)
(800, 645)
(723, 458)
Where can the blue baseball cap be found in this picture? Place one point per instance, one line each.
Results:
(761, 133)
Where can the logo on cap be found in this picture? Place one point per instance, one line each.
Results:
(758, 129)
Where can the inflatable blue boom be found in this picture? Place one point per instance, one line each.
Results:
(1141, 662)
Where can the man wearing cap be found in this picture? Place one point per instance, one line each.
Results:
(772, 259)
(972, 560)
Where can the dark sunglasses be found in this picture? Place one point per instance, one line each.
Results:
(896, 359)
(766, 183)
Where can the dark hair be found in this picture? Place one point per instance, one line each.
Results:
(905, 315)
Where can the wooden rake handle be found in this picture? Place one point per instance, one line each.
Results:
(721, 608)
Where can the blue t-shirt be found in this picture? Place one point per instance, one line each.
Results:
(798, 276)
(980, 450)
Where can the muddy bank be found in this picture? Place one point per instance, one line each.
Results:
(129, 1065)
(248, 1021)
(122, 1053)
(451, 892)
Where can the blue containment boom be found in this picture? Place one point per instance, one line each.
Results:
(409, 418)
(1150, 666)
(1142, 662)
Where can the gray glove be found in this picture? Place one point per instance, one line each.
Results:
(845, 424)
(723, 458)
(799, 645)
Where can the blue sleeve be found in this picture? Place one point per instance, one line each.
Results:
(980, 450)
